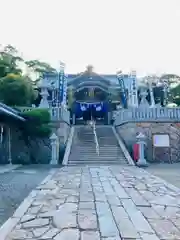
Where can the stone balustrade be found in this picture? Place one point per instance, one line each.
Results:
(57, 113)
(60, 113)
(25, 109)
(161, 114)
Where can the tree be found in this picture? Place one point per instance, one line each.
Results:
(39, 68)
(175, 94)
(17, 90)
(9, 61)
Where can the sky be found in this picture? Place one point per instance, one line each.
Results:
(109, 34)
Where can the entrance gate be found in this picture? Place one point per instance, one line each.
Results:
(91, 111)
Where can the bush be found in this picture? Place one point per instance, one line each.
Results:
(37, 123)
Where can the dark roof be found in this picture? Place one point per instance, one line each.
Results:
(84, 76)
(11, 112)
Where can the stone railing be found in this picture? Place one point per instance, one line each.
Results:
(57, 113)
(25, 109)
(162, 114)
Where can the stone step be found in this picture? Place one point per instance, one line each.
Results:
(116, 154)
(94, 148)
(83, 150)
(93, 145)
(95, 163)
(95, 158)
(95, 155)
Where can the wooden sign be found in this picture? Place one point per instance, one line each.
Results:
(161, 140)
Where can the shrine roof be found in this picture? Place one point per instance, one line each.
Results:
(108, 79)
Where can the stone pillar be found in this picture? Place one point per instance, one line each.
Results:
(149, 81)
(54, 155)
(133, 93)
(44, 93)
(151, 95)
(144, 103)
(9, 146)
(73, 119)
(141, 141)
(109, 118)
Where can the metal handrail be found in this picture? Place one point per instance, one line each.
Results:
(95, 138)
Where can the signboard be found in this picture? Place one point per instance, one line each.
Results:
(161, 140)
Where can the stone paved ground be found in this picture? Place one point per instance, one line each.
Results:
(15, 185)
(169, 172)
(99, 203)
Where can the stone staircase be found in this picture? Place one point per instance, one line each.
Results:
(83, 149)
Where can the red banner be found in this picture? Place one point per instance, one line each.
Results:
(136, 152)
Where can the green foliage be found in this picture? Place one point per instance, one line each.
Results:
(38, 123)
(39, 67)
(16, 90)
(175, 94)
(9, 61)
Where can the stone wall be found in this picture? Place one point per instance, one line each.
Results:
(129, 131)
(30, 150)
(24, 149)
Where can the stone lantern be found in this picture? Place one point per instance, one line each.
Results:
(144, 103)
(44, 86)
(54, 157)
(141, 141)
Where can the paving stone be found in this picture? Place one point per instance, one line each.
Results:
(27, 218)
(72, 199)
(112, 238)
(103, 208)
(107, 226)
(108, 188)
(138, 220)
(165, 229)
(119, 189)
(90, 235)
(20, 234)
(34, 210)
(68, 234)
(127, 229)
(166, 200)
(101, 197)
(39, 222)
(149, 212)
(176, 222)
(119, 213)
(38, 232)
(122, 201)
(47, 208)
(146, 236)
(50, 234)
(113, 200)
(49, 185)
(87, 219)
(86, 197)
(69, 212)
(86, 205)
(137, 198)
